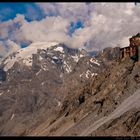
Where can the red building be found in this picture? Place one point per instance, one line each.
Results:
(133, 50)
(135, 40)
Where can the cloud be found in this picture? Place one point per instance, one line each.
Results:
(11, 29)
(69, 11)
(103, 25)
(10, 36)
(20, 31)
(48, 29)
(3, 51)
(8, 47)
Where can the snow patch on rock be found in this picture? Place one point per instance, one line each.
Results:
(1, 93)
(13, 115)
(94, 74)
(54, 57)
(40, 58)
(81, 55)
(44, 67)
(42, 83)
(67, 67)
(38, 72)
(93, 60)
(88, 74)
(76, 58)
(60, 49)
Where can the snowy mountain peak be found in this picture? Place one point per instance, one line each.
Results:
(49, 56)
(25, 54)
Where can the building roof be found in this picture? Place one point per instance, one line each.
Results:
(124, 47)
(137, 35)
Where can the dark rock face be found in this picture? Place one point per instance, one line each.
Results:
(2, 75)
(64, 93)
(81, 99)
(109, 54)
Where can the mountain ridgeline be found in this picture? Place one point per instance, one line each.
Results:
(53, 90)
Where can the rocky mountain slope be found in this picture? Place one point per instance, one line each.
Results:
(52, 89)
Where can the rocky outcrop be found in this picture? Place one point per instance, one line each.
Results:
(2, 75)
(109, 55)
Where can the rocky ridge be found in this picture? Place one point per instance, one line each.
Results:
(68, 92)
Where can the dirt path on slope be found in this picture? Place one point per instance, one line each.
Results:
(131, 102)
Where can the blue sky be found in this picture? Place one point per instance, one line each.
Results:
(75, 25)
(8, 10)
